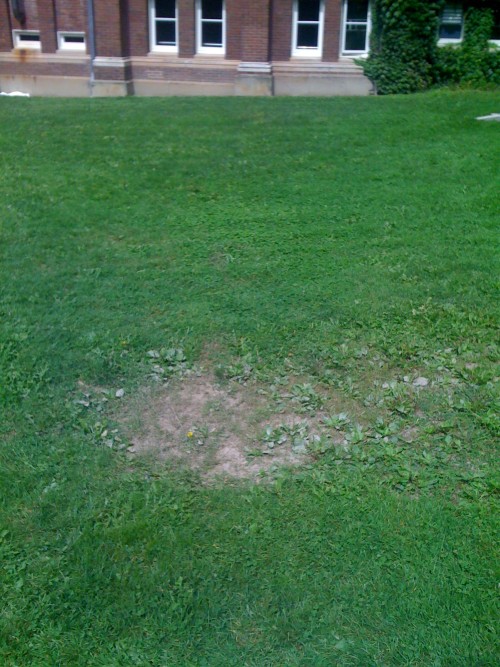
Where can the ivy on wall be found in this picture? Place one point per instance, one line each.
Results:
(404, 56)
(474, 62)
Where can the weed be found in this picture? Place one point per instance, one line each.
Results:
(306, 398)
(337, 422)
(167, 363)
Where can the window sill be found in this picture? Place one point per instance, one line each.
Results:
(164, 51)
(306, 55)
(211, 52)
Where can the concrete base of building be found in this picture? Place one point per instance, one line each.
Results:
(111, 89)
(292, 78)
(254, 79)
(253, 85)
(322, 86)
(301, 77)
(45, 85)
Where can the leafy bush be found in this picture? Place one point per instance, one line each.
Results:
(405, 58)
(404, 49)
(475, 62)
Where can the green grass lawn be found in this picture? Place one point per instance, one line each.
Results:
(323, 253)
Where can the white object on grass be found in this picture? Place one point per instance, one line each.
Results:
(15, 93)
(491, 116)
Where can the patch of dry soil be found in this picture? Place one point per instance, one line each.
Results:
(207, 427)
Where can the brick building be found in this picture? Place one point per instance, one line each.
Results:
(190, 47)
(184, 47)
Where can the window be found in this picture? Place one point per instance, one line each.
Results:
(451, 24)
(163, 25)
(356, 27)
(26, 39)
(71, 41)
(210, 24)
(307, 37)
(495, 37)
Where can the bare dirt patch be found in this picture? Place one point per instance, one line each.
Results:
(211, 428)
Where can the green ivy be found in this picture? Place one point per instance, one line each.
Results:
(403, 45)
(404, 56)
(475, 62)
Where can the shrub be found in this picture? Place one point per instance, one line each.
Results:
(475, 62)
(405, 58)
(404, 48)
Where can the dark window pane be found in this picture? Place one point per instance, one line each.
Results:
(450, 31)
(211, 34)
(165, 33)
(211, 9)
(355, 38)
(165, 9)
(357, 10)
(29, 38)
(307, 36)
(309, 10)
(496, 24)
(74, 39)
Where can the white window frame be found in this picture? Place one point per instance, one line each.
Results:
(213, 50)
(162, 48)
(454, 40)
(35, 45)
(345, 22)
(307, 51)
(64, 45)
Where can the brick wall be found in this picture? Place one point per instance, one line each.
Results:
(71, 15)
(281, 29)
(181, 74)
(138, 27)
(31, 11)
(47, 16)
(5, 26)
(187, 40)
(332, 28)
(108, 28)
(256, 31)
(47, 25)
(27, 65)
(235, 16)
